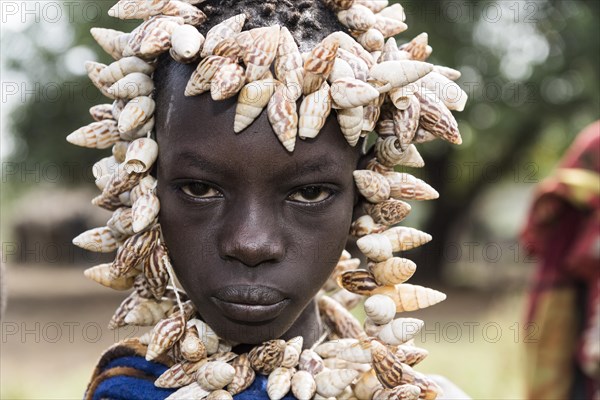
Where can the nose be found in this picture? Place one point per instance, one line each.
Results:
(252, 234)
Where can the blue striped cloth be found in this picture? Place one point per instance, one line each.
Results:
(121, 387)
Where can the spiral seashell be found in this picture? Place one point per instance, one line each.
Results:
(351, 93)
(227, 82)
(99, 135)
(145, 210)
(100, 240)
(392, 53)
(103, 170)
(347, 299)
(113, 42)
(411, 355)
(288, 62)
(403, 392)
(387, 366)
(253, 98)
(332, 383)
(318, 64)
(134, 9)
(267, 356)
(393, 271)
(351, 121)
(191, 391)
(260, 55)
(373, 5)
(291, 356)
(374, 165)
(372, 39)
(356, 353)
(389, 27)
(174, 377)
(101, 111)
(146, 185)
(376, 247)
(437, 119)
(118, 318)
(148, 312)
(141, 155)
(350, 45)
(366, 385)
(119, 183)
(344, 324)
(358, 65)
(117, 107)
(186, 42)
(226, 29)
(200, 80)
(388, 212)
(453, 97)
(152, 37)
(404, 238)
(400, 330)
(359, 281)
(372, 185)
(215, 375)
(380, 309)
(411, 297)
(338, 363)
(406, 186)
(119, 150)
(406, 122)
(385, 128)
(135, 250)
(394, 11)
(155, 271)
(371, 113)
(206, 334)
(191, 15)
(314, 110)
(283, 117)
(448, 72)
(341, 69)
(164, 335)
(133, 85)
(303, 385)
(333, 347)
(244, 375)
(229, 48)
(389, 153)
(190, 345)
(357, 18)
(423, 136)
(279, 383)
(399, 73)
(101, 275)
(123, 67)
(310, 362)
(365, 226)
(139, 132)
(136, 113)
(417, 47)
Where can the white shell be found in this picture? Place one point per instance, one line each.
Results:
(279, 383)
(376, 247)
(351, 93)
(136, 113)
(186, 42)
(141, 155)
(381, 309)
(332, 383)
(400, 73)
(303, 385)
(215, 375)
(133, 85)
(400, 330)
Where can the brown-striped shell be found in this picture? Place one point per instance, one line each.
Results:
(283, 117)
(135, 250)
(259, 56)
(252, 100)
(359, 281)
(390, 153)
(436, 118)
(372, 185)
(314, 110)
(244, 375)
(228, 28)
(267, 356)
(352, 93)
(318, 64)
(101, 274)
(365, 225)
(227, 81)
(341, 320)
(357, 18)
(406, 122)
(406, 186)
(388, 212)
(310, 362)
(201, 78)
(99, 135)
(100, 240)
(386, 365)
(418, 47)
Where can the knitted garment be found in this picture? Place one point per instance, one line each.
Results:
(124, 374)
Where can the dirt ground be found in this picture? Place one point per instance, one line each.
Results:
(55, 329)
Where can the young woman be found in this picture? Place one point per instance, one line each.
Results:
(259, 184)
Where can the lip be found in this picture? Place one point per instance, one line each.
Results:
(250, 303)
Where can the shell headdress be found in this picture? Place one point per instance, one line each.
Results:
(373, 85)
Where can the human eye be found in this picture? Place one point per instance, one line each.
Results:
(199, 190)
(311, 194)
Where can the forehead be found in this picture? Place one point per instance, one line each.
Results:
(188, 127)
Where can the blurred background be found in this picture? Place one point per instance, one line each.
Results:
(530, 68)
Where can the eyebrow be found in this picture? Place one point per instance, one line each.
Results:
(316, 165)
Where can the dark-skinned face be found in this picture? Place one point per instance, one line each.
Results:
(253, 231)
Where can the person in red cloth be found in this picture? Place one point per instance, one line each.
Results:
(563, 232)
